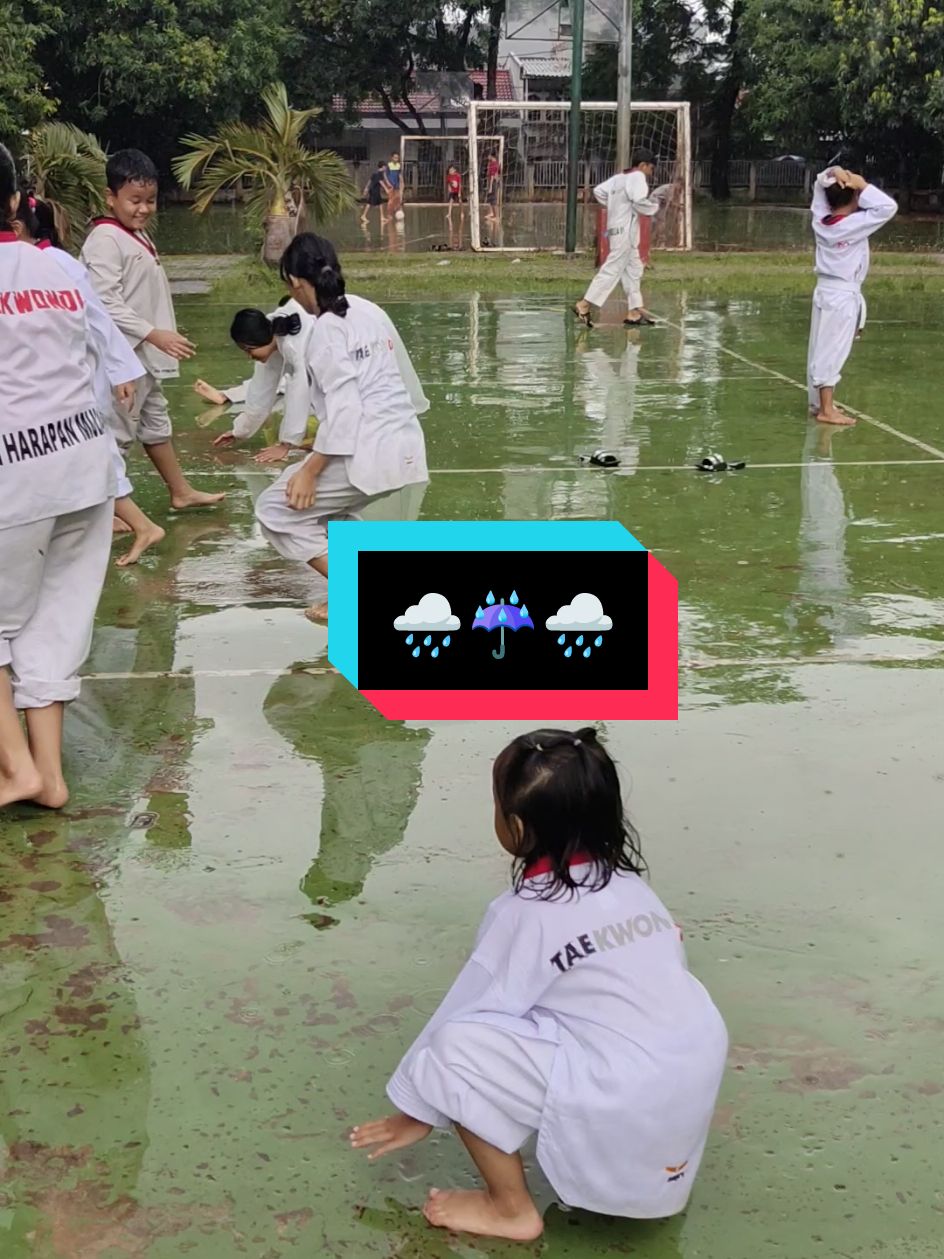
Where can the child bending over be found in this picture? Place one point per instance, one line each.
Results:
(575, 1018)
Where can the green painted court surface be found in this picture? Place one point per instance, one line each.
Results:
(214, 958)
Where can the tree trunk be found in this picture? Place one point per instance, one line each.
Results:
(279, 231)
(496, 11)
(725, 104)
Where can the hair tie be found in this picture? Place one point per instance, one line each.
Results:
(577, 742)
(538, 747)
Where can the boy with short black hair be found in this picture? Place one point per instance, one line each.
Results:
(127, 274)
(846, 210)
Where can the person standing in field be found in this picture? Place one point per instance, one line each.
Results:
(453, 192)
(626, 197)
(394, 180)
(846, 211)
(126, 272)
(376, 190)
(493, 173)
(57, 490)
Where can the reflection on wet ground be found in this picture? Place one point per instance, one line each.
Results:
(213, 959)
(729, 226)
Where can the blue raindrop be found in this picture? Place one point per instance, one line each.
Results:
(409, 639)
(447, 640)
(503, 617)
(514, 597)
(435, 652)
(524, 609)
(569, 651)
(489, 598)
(427, 640)
(587, 651)
(598, 641)
(580, 640)
(479, 612)
(562, 640)
(416, 651)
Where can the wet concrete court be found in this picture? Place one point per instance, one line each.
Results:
(213, 959)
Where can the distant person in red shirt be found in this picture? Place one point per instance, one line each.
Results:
(493, 185)
(453, 191)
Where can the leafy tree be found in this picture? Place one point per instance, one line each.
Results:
(288, 180)
(890, 79)
(667, 45)
(793, 73)
(66, 167)
(24, 101)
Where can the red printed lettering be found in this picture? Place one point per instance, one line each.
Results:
(23, 303)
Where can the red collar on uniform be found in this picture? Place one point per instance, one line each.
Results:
(44, 244)
(143, 241)
(9, 238)
(544, 865)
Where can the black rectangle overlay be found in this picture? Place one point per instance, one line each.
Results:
(390, 582)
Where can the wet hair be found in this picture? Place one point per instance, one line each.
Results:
(563, 788)
(641, 157)
(129, 166)
(312, 258)
(38, 218)
(252, 328)
(839, 197)
(7, 186)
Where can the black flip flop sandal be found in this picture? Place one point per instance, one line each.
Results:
(583, 316)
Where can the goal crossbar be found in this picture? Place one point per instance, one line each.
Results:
(514, 120)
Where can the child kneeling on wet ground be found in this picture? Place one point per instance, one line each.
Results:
(575, 1018)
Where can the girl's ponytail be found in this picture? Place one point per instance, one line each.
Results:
(312, 258)
(286, 325)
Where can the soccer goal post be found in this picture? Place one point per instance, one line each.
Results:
(533, 171)
(425, 162)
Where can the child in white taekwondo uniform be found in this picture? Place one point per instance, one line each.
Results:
(114, 363)
(626, 197)
(846, 211)
(367, 398)
(57, 484)
(127, 274)
(575, 1018)
(278, 345)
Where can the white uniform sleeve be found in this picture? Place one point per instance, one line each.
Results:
(102, 256)
(260, 397)
(604, 191)
(408, 374)
(297, 405)
(820, 206)
(120, 362)
(637, 193)
(876, 208)
(336, 375)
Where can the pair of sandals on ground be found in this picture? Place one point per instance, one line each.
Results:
(584, 314)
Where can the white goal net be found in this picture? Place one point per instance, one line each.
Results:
(525, 208)
(425, 162)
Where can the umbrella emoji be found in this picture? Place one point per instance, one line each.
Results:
(502, 616)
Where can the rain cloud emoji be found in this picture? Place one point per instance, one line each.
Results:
(583, 619)
(430, 621)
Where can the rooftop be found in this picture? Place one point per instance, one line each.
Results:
(544, 67)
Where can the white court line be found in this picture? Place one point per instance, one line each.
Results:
(548, 470)
(788, 380)
(746, 662)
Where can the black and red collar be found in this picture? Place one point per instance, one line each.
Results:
(9, 238)
(107, 221)
(544, 865)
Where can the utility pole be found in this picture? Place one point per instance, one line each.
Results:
(624, 87)
(576, 99)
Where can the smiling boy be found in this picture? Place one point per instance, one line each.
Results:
(127, 274)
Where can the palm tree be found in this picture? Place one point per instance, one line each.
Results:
(66, 167)
(287, 179)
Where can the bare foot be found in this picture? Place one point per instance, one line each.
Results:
(53, 794)
(317, 613)
(22, 786)
(474, 1211)
(146, 538)
(194, 498)
(119, 526)
(833, 417)
(207, 391)
(395, 1132)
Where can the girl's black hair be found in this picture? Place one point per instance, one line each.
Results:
(561, 787)
(7, 185)
(312, 258)
(837, 196)
(252, 328)
(38, 218)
